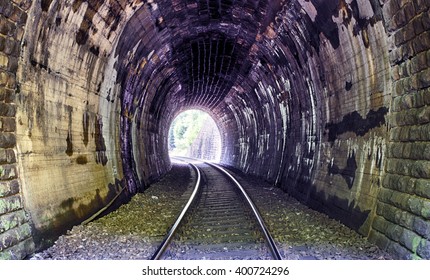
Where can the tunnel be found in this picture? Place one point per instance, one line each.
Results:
(326, 100)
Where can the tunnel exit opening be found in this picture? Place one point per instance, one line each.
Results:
(194, 133)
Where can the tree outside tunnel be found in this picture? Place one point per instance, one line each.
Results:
(193, 133)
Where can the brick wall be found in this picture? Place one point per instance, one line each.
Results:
(402, 224)
(15, 233)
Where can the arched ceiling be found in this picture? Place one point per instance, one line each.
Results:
(283, 80)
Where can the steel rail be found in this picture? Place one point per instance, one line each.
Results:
(267, 235)
(159, 252)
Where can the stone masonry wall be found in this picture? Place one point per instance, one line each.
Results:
(402, 224)
(16, 241)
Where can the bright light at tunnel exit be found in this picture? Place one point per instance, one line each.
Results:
(193, 133)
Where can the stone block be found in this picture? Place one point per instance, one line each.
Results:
(410, 134)
(408, 50)
(395, 133)
(10, 47)
(422, 97)
(399, 251)
(10, 156)
(414, 204)
(399, 183)
(16, 15)
(423, 115)
(23, 4)
(19, 34)
(384, 211)
(396, 150)
(419, 63)
(8, 95)
(395, 73)
(399, 19)
(399, 88)
(395, 216)
(408, 32)
(380, 223)
(414, 83)
(425, 20)
(389, 9)
(12, 65)
(7, 79)
(423, 249)
(399, 166)
(404, 218)
(10, 204)
(420, 5)
(422, 188)
(405, 69)
(12, 220)
(399, 38)
(7, 28)
(18, 252)
(6, 8)
(7, 124)
(410, 240)
(8, 172)
(425, 93)
(418, 25)
(9, 188)
(410, 12)
(422, 227)
(7, 110)
(420, 169)
(379, 239)
(394, 232)
(4, 61)
(424, 76)
(425, 209)
(418, 151)
(422, 42)
(395, 198)
(7, 140)
(14, 236)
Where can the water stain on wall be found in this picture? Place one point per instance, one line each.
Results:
(73, 212)
(348, 172)
(354, 122)
(85, 125)
(82, 160)
(69, 149)
(100, 142)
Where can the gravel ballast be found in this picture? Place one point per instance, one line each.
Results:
(134, 230)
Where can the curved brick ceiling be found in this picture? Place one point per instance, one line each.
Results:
(279, 78)
(203, 50)
(300, 89)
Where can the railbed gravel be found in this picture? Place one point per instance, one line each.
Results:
(134, 230)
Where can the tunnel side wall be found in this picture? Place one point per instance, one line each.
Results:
(312, 117)
(346, 130)
(67, 126)
(67, 113)
(402, 223)
(16, 240)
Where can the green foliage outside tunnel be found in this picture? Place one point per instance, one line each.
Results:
(184, 130)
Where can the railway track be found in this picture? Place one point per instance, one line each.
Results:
(219, 221)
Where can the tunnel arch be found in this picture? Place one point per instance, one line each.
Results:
(324, 100)
(205, 140)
